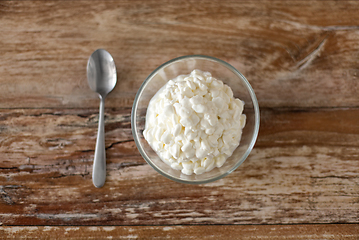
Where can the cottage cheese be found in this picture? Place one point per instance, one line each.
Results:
(194, 123)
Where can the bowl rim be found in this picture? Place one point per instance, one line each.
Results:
(256, 117)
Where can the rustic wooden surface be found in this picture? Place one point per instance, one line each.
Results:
(300, 182)
(313, 231)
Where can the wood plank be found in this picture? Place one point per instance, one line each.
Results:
(294, 53)
(335, 232)
(303, 169)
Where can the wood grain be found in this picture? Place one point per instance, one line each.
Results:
(301, 180)
(334, 232)
(294, 53)
(303, 169)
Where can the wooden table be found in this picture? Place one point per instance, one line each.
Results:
(301, 180)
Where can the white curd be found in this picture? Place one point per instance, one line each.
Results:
(194, 123)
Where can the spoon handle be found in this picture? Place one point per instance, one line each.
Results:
(99, 165)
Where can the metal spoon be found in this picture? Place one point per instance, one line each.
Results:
(102, 77)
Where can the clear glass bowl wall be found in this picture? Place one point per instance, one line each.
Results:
(220, 70)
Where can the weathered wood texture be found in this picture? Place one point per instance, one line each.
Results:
(301, 57)
(294, 53)
(333, 232)
(304, 169)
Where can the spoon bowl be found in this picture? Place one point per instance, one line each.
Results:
(102, 78)
(101, 72)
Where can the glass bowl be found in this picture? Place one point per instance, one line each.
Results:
(183, 66)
